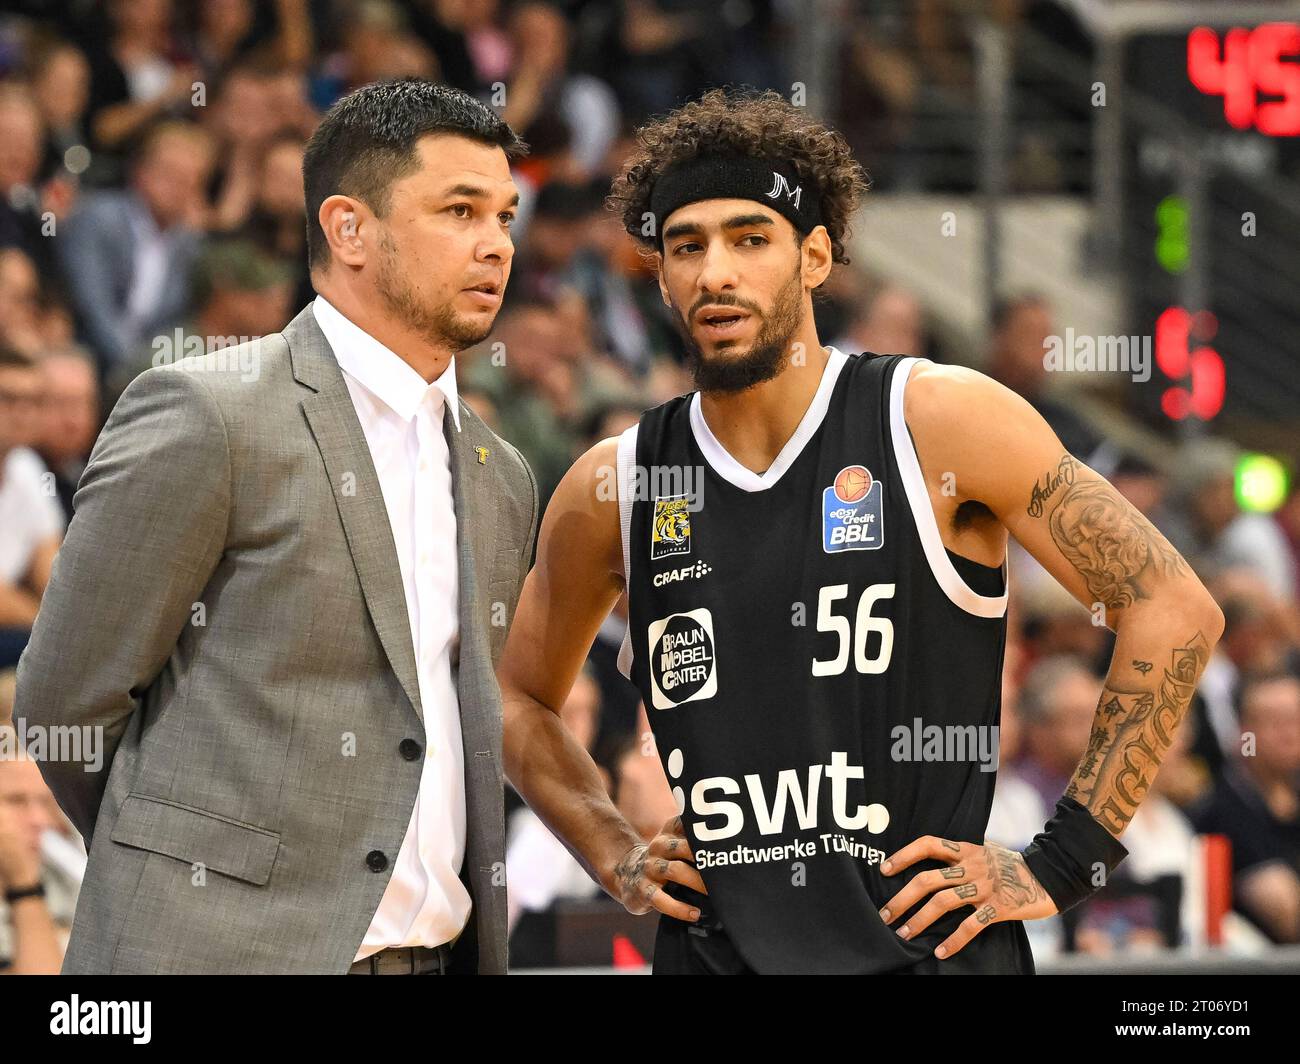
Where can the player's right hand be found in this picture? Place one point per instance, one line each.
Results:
(641, 874)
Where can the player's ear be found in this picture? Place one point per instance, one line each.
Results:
(344, 221)
(817, 257)
(659, 276)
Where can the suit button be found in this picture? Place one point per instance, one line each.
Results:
(409, 749)
(376, 860)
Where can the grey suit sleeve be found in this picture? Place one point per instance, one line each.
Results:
(526, 556)
(152, 511)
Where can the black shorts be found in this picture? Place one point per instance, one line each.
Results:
(706, 949)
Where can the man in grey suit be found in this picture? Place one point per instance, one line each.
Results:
(290, 573)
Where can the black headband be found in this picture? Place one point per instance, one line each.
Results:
(724, 176)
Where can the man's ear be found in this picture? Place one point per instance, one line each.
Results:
(817, 255)
(346, 223)
(659, 276)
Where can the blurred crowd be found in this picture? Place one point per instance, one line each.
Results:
(151, 199)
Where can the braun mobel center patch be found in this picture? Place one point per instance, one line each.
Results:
(852, 512)
(682, 665)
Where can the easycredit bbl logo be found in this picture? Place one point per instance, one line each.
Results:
(852, 512)
(682, 665)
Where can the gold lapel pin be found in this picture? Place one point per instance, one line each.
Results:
(482, 453)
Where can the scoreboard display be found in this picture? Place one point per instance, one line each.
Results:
(1235, 354)
(1253, 71)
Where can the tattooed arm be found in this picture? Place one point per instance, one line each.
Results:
(994, 467)
(569, 592)
(1103, 550)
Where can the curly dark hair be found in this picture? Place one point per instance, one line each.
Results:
(762, 125)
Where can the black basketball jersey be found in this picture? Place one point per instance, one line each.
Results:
(813, 664)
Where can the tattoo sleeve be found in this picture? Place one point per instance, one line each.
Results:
(1130, 735)
(1116, 550)
(1123, 559)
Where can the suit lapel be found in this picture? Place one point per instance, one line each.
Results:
(476, 535)
(337, 431)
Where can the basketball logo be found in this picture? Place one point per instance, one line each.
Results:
(852, 483)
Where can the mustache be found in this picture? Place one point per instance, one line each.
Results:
(722, 301)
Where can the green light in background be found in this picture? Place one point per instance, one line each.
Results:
(1261, 483)
(1173, 245)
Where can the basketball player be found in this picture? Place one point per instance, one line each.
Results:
(813, 545)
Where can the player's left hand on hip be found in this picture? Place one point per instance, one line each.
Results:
(641, 874)
(994, 880)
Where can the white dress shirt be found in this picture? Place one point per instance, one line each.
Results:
(426, 904)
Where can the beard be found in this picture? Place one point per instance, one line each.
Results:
(766, 357)
(440, 325)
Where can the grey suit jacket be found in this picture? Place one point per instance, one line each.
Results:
(228, 609)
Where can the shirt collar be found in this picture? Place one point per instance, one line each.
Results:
(383, 372)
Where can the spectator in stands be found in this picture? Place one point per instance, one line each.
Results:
(628, 316)
(138, 74)
(60, 80)
(520, 369)
(128, 255)
(1018, 812)
(275, 221)
(539, 869)
(240, 290)
(259, 116)
(666, 47)
(72, 419)
(20, 304)
(244, 119)
(1057, 704)
(889, 321)
(239, 293)
(1256, 805)
(1142, 484)
(33, 927)
(1288, 519)
(377, 45)
(569, 120)
(1211, 529)
(31, 523)
(1021, 326)
(223, 33)
(641, 789)
(30, 205)
(544, 266)
(1054, 621)
(1254, 641)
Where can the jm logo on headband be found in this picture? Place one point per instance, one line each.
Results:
(779, 185)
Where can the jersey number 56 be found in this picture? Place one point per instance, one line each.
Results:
(864, 624)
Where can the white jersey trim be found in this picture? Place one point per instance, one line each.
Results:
(746, 479)
(918, 497)
(626, 469)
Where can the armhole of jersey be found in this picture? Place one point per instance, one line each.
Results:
(918, 498)
(626, 466)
